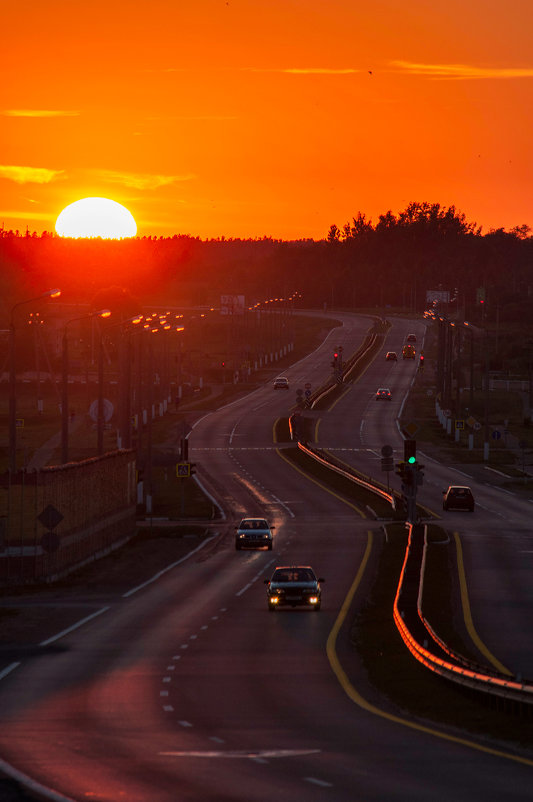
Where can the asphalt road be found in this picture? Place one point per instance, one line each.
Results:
(190, 689)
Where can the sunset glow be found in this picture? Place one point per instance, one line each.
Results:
(243, 119)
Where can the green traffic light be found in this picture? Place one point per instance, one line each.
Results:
(411, 460)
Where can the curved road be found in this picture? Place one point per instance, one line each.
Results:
(189, 689)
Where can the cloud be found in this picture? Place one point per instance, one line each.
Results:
(39, 113)
(307, 70)
(462, 71)
(29, 175)
(142, 180)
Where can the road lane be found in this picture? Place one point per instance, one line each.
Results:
(192, 690)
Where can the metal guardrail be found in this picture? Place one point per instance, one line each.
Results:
(348, 474)
(369, 343)
(408, 618)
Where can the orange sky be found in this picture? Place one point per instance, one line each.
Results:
(247, 118)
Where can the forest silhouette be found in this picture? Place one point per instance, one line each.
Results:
(360, 265)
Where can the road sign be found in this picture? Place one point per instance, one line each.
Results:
(308, 393)
(386, 451)
(183, 470)
(307, 385)
(496, 435)
(50, 517)
(387, 464)
(412, 428)
(459, 424)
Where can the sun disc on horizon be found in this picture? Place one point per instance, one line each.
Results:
(96, 217)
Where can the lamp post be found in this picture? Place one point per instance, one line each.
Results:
(100, 409)
(65, 365)
(13, 380)
(470, 330)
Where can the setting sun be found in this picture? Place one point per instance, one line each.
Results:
(96, 217)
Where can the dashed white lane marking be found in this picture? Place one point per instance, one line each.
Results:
(176, 657)
(263, 754)
(193, 637)
(216, 739)
(255, 578)
(168, 708)
(163, 693)
(322, 783)
(184, 646)
(205, 626)
(167, 679)
(185, 723)
(171, 668)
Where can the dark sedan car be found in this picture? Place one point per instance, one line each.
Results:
(458, 497)
(383, 393)
(294, 585)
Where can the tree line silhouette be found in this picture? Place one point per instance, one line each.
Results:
(361, 265)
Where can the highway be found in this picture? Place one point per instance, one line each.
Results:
(190, 689)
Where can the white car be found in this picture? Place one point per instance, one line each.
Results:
(281, 383)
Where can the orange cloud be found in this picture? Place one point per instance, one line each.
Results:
(29, 175)
(39, 113)
(141, 180)
(462, 71)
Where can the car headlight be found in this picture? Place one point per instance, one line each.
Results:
(274, 599)
(313, 599)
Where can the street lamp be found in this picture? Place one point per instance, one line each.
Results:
(64, 400)
(100, 413)
(12, 378)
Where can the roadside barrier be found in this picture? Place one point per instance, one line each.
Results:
(440, 659)
(350, 474)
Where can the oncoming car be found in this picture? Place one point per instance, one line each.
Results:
(281, 383)
(253, 533)
(391, 355)
(458, 497)
(294, 585)
(383, 393)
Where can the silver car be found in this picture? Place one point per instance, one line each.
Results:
(253, 533)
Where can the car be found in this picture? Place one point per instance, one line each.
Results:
(281, 383)
(253, 533)
(458, 497)
(408, 352)
(391, 355)
(294, 585)
(411, 338)
(383, 393)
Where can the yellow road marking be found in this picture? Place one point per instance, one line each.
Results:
(467, 613)
(356, 697)
(324, 487)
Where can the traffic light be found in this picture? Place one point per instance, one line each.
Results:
(409, 451)
(421, 362)
(335, 358)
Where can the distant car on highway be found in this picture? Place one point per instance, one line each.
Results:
(458, 497)
(253, 533)
(281, 383)
(391, 355)
(411, 338)
(383, 393)
(294, 585)
(408, 352)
